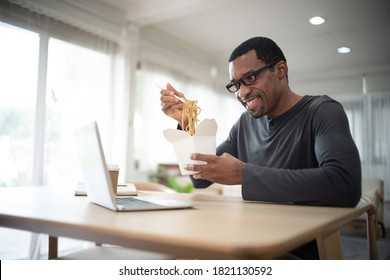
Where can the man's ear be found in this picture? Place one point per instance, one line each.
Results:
(282, 69)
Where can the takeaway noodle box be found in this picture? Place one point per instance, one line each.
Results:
(203, 141)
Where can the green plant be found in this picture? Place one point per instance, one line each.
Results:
(170, 180)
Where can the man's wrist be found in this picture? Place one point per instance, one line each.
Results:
(240, 171)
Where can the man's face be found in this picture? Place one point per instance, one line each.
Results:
(260, 97)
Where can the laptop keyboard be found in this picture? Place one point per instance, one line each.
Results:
(135, 203)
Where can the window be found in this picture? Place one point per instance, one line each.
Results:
(355, 114)
(368, 117)
(48, 88)
(19, 62)
(380, 113)
(78, 91)
(151, 147)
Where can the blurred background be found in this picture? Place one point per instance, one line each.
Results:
(64, 63)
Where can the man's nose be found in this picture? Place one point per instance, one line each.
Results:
(243, 92)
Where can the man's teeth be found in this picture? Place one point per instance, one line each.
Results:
(249, 102)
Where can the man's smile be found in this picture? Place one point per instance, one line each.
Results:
(251, 102)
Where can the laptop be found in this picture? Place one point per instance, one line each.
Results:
(98, 182)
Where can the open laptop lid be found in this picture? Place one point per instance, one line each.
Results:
(94, 166)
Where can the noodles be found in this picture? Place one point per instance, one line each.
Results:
(190, 113)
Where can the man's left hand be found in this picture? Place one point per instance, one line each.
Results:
(224, 169)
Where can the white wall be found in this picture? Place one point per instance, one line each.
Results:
(344, 83)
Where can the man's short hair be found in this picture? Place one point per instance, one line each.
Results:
(266, 50)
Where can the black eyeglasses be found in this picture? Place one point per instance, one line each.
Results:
(248, 79)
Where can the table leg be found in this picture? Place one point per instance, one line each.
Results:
(53, 247)
(371, 234)
(329, 246)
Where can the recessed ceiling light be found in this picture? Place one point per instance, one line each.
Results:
(344, 50)
(317, 20)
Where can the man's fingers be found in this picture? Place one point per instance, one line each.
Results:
(170, 87)
(202, 157)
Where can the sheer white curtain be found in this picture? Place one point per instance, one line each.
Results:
(379, 148)
(76, 82)
(369, 115)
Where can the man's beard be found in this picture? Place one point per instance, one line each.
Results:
(258, 114)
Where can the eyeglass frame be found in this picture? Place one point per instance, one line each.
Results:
(254, 74)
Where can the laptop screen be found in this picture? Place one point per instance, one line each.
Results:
(94, 167)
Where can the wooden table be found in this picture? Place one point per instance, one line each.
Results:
(218, 227)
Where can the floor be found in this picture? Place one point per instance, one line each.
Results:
(354, 240)
(15, 245)
(355, 248)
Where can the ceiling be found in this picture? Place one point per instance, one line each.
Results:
(215, 27)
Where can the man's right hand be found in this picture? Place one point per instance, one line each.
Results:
(170, 105)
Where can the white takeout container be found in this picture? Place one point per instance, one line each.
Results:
(203, 141)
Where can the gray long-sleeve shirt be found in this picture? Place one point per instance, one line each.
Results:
(305, 156)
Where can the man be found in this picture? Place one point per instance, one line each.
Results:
(286, 148)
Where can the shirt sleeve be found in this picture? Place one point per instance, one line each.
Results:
(335, 182)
